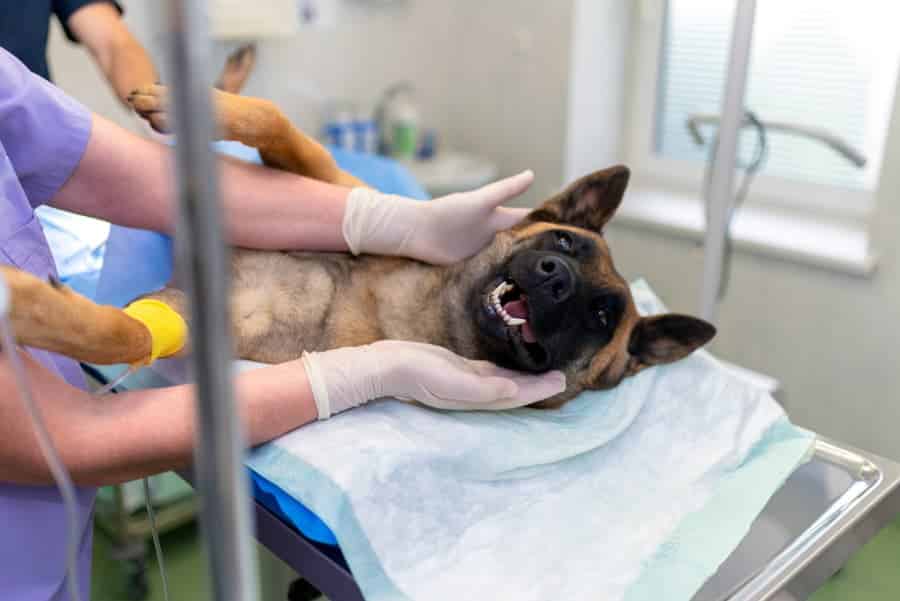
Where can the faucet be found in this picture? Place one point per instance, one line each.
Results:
(819, 134)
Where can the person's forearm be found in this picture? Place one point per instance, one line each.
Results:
(118, 438)
(275, 210)
(128, 68)
(127, 180)
(118, 54)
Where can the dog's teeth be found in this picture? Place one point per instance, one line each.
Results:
(498, 306)
(501, 289)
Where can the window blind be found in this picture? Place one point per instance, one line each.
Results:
(814, 63)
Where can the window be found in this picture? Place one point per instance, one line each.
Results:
(814, 64)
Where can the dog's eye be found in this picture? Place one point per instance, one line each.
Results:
(603, 311)
(564, 241)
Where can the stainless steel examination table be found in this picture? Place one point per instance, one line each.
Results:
(820, 517)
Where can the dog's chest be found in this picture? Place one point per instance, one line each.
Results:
(410, 304)
(285, 304)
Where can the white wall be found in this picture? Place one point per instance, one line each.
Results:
(600, 45)
(491, 76)
(508, 86)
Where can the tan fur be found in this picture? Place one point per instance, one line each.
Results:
(56, 319)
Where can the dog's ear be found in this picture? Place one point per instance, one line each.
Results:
(666, 338)
(589, 202)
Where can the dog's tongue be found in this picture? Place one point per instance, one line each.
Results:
(519, 308)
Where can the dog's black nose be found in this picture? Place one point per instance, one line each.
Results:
(555, 277)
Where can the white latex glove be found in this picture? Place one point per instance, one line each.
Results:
(348, 377)
(441, 231)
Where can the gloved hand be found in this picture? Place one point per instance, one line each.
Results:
(442, 231)
(348, 377)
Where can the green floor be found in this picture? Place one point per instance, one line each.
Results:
(872, 575)
(185, 567)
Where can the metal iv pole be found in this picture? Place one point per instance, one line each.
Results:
(720, 192)
(219, 475)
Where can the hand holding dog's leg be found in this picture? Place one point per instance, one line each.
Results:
(253, 122)
(443, 231)
(344, 378)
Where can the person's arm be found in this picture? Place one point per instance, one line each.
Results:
(123, 61)
(117, 438)
(127, 180)
(81, 162)
(121, 437)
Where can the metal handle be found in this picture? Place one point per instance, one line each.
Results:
(819, 134)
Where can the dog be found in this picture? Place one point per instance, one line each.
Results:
(544, 294)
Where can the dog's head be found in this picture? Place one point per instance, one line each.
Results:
(547, 295)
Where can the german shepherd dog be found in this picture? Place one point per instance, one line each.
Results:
(543, 295)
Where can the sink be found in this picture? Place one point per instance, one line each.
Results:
(823, 513)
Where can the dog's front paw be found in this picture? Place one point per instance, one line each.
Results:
(152, 104)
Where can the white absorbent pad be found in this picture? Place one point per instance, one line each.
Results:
(634, 493)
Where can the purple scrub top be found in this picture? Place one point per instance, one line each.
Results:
(43, 134)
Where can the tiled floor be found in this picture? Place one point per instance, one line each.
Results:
(872, 575)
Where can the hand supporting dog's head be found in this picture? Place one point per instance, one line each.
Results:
(547, 296)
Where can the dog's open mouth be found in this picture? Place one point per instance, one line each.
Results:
(508, 303)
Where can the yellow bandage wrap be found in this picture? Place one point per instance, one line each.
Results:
(168, 331)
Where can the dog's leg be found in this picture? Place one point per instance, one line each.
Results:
(49, 316)
(257, 123)
(237, 69)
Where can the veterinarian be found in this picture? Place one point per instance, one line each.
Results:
(53, 151)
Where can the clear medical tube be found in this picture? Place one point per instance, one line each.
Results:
(57, 469)
(121, 378)
(148, 500)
